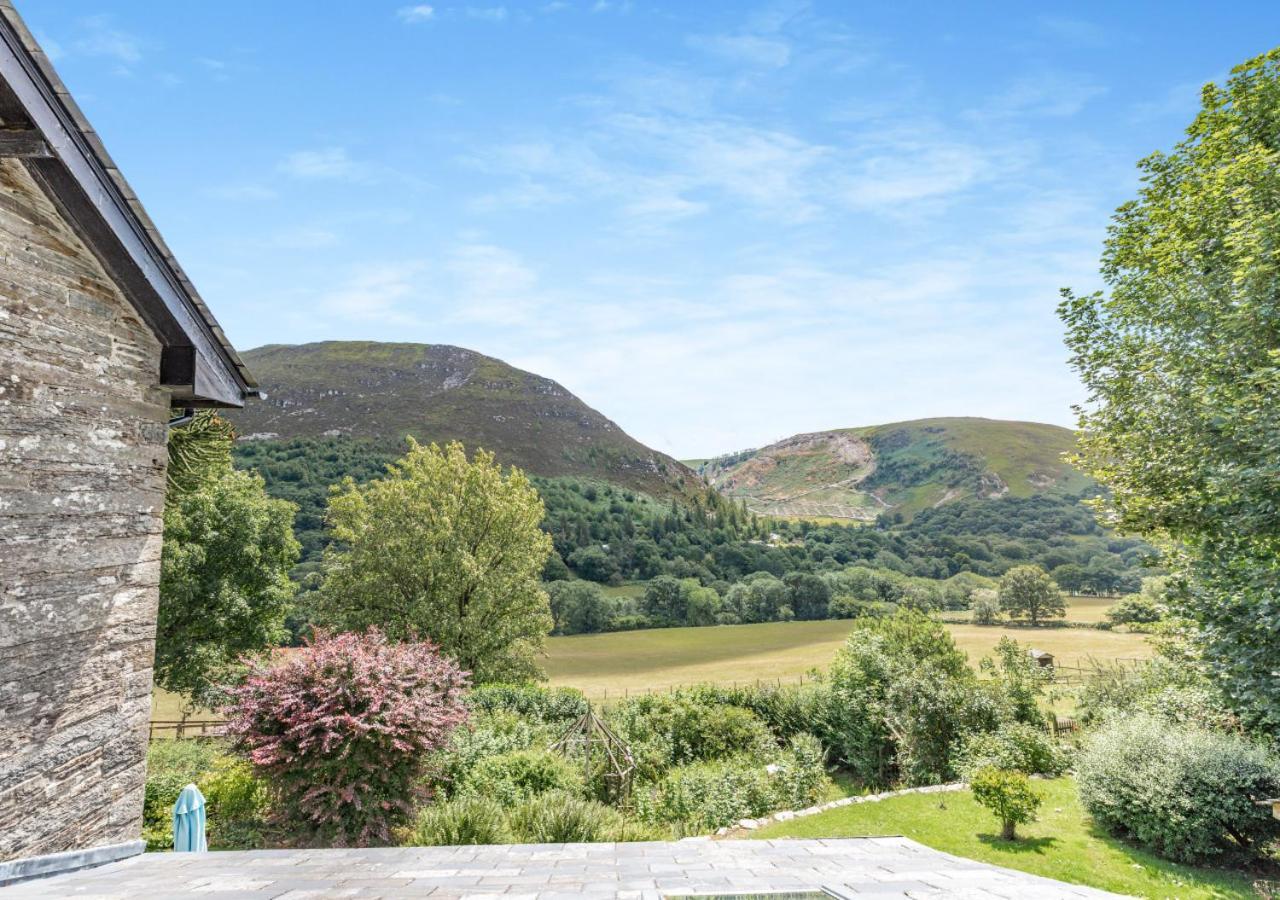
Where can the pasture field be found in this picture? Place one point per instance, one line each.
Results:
(603, 665)
(609, 665)
(629, 590)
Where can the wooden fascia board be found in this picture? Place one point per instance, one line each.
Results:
(92, 204)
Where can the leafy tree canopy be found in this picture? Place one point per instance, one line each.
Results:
(444, 547)
(1028, 591)
(224, 570)
(1181, 358)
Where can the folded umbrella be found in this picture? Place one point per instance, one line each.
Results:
(188, 821)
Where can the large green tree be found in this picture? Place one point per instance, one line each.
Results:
(1181, 359)
(579, 607)
(1028, 591)
(446, 548)
(224, 569)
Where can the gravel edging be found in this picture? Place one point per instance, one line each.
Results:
(788, 814)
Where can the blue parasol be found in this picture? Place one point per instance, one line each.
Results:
(188, 822)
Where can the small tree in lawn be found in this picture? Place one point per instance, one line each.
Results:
(1028, 591)
(343, 730)
(1008, 794)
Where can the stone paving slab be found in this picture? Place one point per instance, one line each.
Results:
(853, 868)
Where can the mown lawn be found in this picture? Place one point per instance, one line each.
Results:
(1063, 844)
(655, 659)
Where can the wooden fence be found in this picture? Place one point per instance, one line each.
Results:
(1065, 674)
(1068, 675)
(179, 729)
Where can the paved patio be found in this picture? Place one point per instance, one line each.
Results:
(882, 868)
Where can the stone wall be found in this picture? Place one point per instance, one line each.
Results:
(82, 455)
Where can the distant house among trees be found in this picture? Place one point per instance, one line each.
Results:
(102, 336)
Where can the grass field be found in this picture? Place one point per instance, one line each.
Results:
(631, 589)
(1063, 844)
(609, 665)
(634, 661)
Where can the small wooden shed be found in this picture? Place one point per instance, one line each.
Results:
(1043, 658)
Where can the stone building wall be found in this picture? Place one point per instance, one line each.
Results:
(82, 456)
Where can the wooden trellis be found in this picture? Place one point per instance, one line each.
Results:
(593, 740)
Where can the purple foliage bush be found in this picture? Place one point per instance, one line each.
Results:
(343, 730)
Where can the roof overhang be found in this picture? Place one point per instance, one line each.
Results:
(43, 127)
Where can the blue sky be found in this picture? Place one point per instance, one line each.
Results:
(718, 223)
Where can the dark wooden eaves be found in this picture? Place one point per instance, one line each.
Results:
(43, 127)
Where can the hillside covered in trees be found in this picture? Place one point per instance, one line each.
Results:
(611, 534)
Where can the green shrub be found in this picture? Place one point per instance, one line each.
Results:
(237, 804)
(560, 818)
(1008, 794)
(1135, 609)
(512, 777)
(531, 701)
(1171, 690)
(706, 795)
(667, 730)
(1016, 746)
(900, 696)
(802, 773)
(1183, 791)
(171, 766)
(787, 709)
(462, 820)
(488, 734)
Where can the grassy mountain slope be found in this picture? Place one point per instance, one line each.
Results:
(859, 473)
(377, 393)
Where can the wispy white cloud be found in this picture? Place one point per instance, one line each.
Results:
(491, 285)
(901, 166)
(100, 37)
(660, 167)
(376, 293)
(325, 163)
(487, 13)
(1181, 101)
(752, 49)
(1040, 94)
(241, 192)
(305, 237)
(417, 14)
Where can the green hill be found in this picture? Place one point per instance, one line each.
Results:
(903, 467)
(369, 396)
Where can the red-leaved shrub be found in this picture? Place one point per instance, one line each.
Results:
(342, 730)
